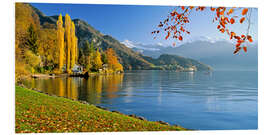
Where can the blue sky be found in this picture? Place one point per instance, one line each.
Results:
(135, 23)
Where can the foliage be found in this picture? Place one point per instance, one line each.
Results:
(97, 63)
(94, 60)
(31, 59)
(112, 60)
(175, 24)
(74, 45)
(60, 43)
(47, 47)
(32, 39)
(71, 44)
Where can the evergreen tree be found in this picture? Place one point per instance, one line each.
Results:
(32, 39)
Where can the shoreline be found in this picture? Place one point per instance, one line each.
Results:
(110, 112)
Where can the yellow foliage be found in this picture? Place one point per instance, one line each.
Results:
(68, 41)
(113, 61)
(60, 42)
(97, 62)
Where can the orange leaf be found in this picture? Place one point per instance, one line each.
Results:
(237, 50)
(180, 38)
(244, 11)
(242, 19)
(232, 21)
(183, 7)
(249, 38)
(222, 30)
(232, 35)
(245, 48)
(230, 11)
(213, 9)
(167, 36)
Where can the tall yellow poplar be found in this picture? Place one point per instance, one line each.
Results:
(68, 41)
(73, 45)
(60, 42)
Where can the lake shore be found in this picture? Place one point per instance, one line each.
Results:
(51, 75)
(39, 112)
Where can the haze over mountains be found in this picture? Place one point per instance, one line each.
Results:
(218, 54)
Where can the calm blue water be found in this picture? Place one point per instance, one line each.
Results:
(201, 101)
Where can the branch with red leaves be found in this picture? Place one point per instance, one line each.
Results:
(174, 24)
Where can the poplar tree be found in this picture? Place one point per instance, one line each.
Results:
(60, 42)
(73, 48)
(68, 41)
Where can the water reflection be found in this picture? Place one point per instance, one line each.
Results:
(90, 89)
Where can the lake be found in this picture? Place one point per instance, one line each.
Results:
(202, 101)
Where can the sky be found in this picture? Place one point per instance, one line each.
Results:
(135, 23)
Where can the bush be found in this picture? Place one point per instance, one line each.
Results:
(20, 72)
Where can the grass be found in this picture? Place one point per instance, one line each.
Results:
(38, 112)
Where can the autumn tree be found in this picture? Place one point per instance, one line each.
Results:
(48, 49)
(175, 24)
(113, 61)
(74, 41)
(68, 41)
(60, 42)
(97, 62)
(71, 43)
(31, 60)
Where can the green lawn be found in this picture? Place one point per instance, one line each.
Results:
(38, 112)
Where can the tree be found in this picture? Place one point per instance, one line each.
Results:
(60, 42)
(74, 41)
(48, 49)
(174, 24)
(31, 60)
(68, 41)
(32, 39)
(71, 43)
(113, 61)
(97, 62)
(104, 57)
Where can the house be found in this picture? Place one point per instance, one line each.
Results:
(77, 69)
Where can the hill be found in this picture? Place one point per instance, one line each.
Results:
(218, 55)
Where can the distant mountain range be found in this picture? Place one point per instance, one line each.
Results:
(130, 59)
(218, 55)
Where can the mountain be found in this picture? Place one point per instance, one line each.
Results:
(175, 62)
(218, 55)
(130, 59)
